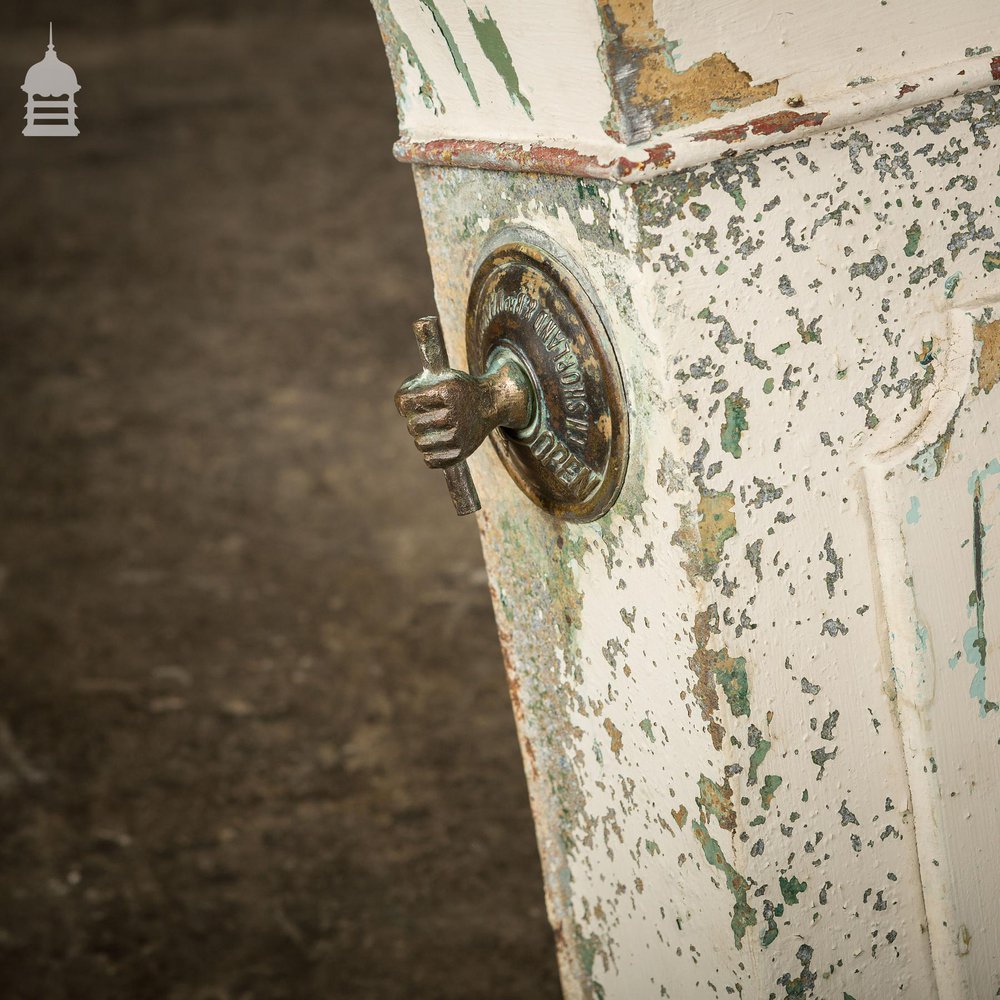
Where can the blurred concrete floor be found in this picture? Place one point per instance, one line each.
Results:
(254, 735)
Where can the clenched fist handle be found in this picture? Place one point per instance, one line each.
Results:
(450, 413)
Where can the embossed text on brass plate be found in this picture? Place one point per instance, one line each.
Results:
(571, 459)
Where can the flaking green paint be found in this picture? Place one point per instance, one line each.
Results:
(756, 759)
(772, 782)
(495, 49)
(427, 92)
(716, 800)
(744, 915)
(735, 424)
(731, 673)
(791, 889)
(456, 55)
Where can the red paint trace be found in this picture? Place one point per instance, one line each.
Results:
(483, 154)
(779, 121)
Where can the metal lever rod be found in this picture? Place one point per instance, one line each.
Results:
(430, 341)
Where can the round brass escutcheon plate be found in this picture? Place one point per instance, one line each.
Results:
(571, 459)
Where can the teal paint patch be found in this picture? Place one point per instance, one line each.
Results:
(913, 514)
(930, 461)
(736, 423)
(495, 49)
(791, 888)
(588, 948)
(992, 468)
(772, 782)
(951, 283)
(744, 915)
(647, 727)
(669, 48)
(456, 55)
(756, 759)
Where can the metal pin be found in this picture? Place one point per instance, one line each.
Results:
(430, 341)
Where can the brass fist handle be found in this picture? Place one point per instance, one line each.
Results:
(450, 413)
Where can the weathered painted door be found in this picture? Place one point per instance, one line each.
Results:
(758, 700)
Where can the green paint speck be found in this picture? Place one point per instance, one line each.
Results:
(769, 385)
(790, 889)
(736, 423)
(912, 239)
(913, 514)
(647, 727)
(771, 784)
(756, 759)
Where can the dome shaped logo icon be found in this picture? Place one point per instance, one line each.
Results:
(51, 87)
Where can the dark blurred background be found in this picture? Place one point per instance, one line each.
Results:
(254, 735)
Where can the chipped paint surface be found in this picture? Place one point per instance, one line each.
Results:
(688, 80)
(750, 697)
(758, 702)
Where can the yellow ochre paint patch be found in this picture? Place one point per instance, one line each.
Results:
(649, 93)
(988, 337)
